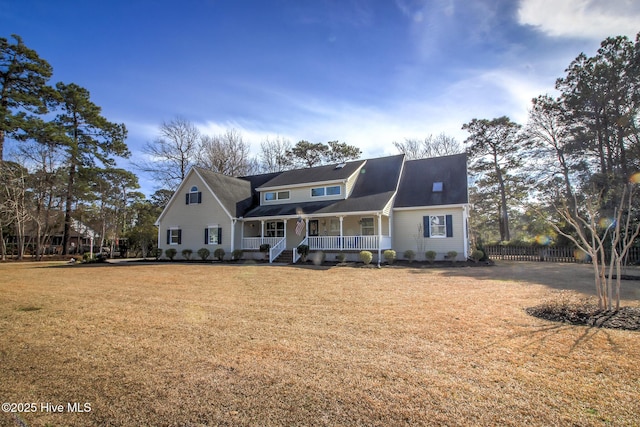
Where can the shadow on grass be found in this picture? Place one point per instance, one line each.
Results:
(560, 276)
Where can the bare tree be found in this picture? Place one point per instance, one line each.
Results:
(595, 233)
(14, 203)
(228, 154)
(440, 145)
(549, 137)
(172, 153)
(46, 183)
(273, 155)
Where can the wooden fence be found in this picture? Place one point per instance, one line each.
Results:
(549, 254)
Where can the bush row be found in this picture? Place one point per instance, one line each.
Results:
(203, 253)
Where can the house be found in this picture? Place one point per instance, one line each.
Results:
(374, 204)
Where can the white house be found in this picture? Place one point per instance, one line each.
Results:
(374, 204)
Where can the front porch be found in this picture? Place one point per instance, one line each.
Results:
(327, 234)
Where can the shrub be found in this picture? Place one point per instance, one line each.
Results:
(170, 253)
(366, 257)
(186, 253)
(204, 253)
(451, 255)
(477, 255)
(156, 253)
(410, 255)
(341, 257)
(237, 254)
(265, 247)
(430, 256)
(87, 259)
(219, 254)
(389, 255)
(303, 250)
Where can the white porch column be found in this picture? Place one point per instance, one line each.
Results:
(262, 231)
(242, 234)
(285, 233)
(341, 236)
(379, 237)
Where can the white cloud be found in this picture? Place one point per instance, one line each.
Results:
(584, 19)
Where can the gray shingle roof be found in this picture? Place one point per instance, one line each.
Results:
(374, 188)
(315, 174)
(416, 185)
(234, 193)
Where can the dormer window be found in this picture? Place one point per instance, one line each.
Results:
(276, 195)
(333, 190)
(194, 196)
(437, 187)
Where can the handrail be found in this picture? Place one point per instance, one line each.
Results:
(277, 249)
(296, 255)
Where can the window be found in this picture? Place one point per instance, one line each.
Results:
(333, 190)
(280, 195)
(438, 226)
(275, 229)
(366, 227)
(174, 236)
(213, 235)
(194, 196)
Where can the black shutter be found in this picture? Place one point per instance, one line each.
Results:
(206, 236)
(219, 235)
(179, 237)
(426, 226)
(168, 237)
(199, 196)
(187, 200)
(449, 222)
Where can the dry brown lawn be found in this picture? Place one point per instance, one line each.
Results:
(190, 345)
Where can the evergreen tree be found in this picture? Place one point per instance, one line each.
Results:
(87, 139)
(23, 90)
(495, 152)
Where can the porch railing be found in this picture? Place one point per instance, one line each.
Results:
(277, 249)
(348, 242)
(296, 255)
(255, 242)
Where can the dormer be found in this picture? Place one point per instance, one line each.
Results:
(322, 183)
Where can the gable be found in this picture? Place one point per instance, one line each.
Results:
(233, 195)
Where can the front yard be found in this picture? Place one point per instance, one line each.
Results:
(198, 344)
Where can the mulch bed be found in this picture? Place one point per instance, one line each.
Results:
(589, 315)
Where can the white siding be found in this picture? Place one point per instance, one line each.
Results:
(192, 219)
(407, 235)
(303, 194)
(351, 181)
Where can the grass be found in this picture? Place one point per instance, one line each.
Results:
(198, 344)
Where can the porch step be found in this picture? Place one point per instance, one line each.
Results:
(285, 257)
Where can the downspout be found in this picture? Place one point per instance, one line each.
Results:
(233, 234)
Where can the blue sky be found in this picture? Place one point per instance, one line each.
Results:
(363, 72)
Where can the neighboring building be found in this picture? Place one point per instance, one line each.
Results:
(374, 204)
